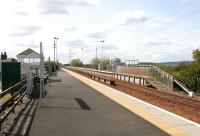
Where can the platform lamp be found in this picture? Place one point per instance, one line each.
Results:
(102, 42)
(55, 51)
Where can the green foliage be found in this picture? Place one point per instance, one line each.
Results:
(187, 73)
(76, 63)
(48, 64)
(105, 62)
(95, 61)
(196, 55)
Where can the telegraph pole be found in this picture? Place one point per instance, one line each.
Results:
(54, 47)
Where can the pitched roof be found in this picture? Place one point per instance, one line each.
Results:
(28, 52)
(8, 60)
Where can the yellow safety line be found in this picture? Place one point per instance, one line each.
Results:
(165, 126)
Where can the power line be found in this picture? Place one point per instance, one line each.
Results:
(175, 11)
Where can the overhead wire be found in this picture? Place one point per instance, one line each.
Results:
(173, 12)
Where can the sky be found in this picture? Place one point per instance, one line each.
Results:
(147, 30)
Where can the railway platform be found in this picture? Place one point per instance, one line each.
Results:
(80, 106)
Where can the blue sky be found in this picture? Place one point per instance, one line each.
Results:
(148, 30)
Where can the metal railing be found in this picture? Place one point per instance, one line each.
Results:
(119, 76)
(12, 89)
(17, 92)
(154, 72)
(162, 76)
(168, 80)
(184, 87)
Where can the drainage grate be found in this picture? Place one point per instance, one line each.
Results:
(82, 104)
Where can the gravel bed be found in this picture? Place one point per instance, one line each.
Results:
(18, 122)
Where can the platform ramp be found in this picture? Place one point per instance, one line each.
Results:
(157, 84)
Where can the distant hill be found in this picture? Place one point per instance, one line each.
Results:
(166, 63)
(174, 63)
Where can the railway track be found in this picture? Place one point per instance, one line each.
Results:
(175, 102)
(20, 124)
(168, 101)
(165, 95)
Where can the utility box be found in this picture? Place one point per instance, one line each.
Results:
(10, 74)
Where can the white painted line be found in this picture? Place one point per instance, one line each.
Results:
(158, 108)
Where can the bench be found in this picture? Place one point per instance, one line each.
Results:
(105, 78)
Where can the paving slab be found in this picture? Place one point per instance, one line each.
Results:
(169, 122)
(72, 108)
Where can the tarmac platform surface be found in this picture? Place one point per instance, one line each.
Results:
(72, 108)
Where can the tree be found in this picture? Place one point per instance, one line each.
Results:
(49, 64)
(104, 62)
(76, 63)
(196, 55)
(95, 61)
(190, 75)
(187, 73)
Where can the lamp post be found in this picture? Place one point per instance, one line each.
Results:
(101, 62)
(55, 51)
(102, 41)
(82, 54)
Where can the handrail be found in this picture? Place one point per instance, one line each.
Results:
(163, 72)
(110, 73)
(169, 81)
(161, 76)
(14, 100)
(87, 69)
(106, 72)
(184, 87)
(10, 89)
(11, 99)
(173, 80)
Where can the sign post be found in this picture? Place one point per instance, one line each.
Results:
(41, 72)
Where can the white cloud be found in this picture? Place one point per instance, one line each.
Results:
(70, 29)
(76, 44)
(155, 26)
(89, 25)
(26, 30)
(21, 13)
(129, 17)
(61, 6)
(97, 35)
(110, 47)
(159, 23)
(156, 41)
